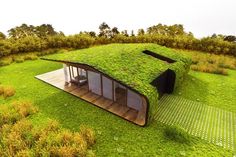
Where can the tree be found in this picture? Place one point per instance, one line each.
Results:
(217, 36)
(104, 30)
(172, 30)
(132, 33)
(158, 29)
(190, 34)
(214, 36)
(125, 33)
(2, 36)
(20, 31)
(114, 31)
(230, 38)
(92, 34)
(141, 32)
(24, 30)
(176, 29)
(44, 30)
(61, 33)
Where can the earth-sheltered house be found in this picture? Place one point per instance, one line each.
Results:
(125, 79)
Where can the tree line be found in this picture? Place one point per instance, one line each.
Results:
(29, 38)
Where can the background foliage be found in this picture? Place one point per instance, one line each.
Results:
(29, 38)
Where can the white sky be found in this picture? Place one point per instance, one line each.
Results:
(202, 17)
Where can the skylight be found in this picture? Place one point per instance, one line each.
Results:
(158, 56)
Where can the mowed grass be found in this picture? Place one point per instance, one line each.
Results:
(212, 89)
(114, 136)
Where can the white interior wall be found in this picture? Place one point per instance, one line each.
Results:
(75, 71)
(134, 100)
(94, 80)
(66, 75)
(82, 72)
(107, 87)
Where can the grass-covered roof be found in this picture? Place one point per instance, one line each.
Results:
(127, 63)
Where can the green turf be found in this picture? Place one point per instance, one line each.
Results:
(128, 64)
(115, 136)
(212, 89)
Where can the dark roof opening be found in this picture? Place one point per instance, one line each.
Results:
(158, 56)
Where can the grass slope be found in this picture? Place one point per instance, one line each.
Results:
(212, 89)
(115, 136)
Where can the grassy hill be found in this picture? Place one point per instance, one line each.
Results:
(115, 136)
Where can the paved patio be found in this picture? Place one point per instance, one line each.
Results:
(212, 124)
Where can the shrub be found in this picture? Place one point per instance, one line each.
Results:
(209, 68)
(68, 151)
(88, 135)
(16, 111)
(21, 138)
(1, 89)
(18, 136)
(19, 59)
(47, 52)
(24, 108)
(211, 63)
(8, 91)
(195, 61)
(185, 40)
(24, 153)
(62, 51)
(30, 57)
(80, 142)
(211, 60)
(59, 142)
(8, 116)
(6, 61)
(177, 134)
(225, 62)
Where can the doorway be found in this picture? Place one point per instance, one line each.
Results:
(120, 94)
(165, 82)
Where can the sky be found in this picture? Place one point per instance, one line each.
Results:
(201, 17)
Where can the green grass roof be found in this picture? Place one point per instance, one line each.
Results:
(127, 63)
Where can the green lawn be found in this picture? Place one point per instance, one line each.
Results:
(212, 89)
(115, 136)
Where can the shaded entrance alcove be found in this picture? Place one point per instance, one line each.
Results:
(165, 82)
